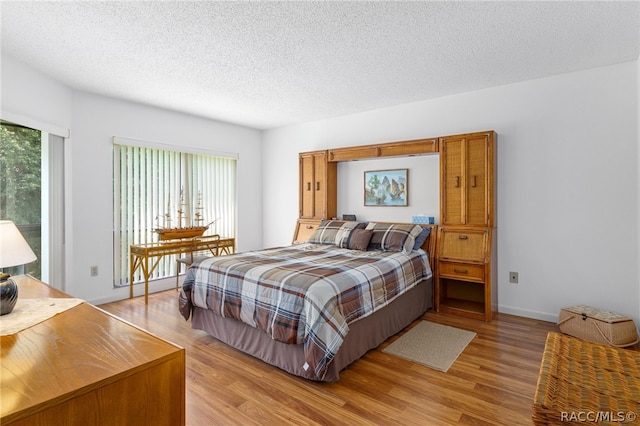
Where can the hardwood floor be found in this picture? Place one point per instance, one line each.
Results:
(491, 383)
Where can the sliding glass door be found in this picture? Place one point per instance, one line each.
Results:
(32, 196)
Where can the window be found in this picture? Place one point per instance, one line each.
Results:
(151, 186)
(32, 195)
(20, 186)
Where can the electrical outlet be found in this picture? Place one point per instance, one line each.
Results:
(94, 271)
(513, 277)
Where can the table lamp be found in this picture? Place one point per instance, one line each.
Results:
(14, 251)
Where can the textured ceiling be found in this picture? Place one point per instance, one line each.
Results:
(269, 64)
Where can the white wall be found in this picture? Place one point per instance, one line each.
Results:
(93, 121)
(567, 181)
(96, 120)
(423, 188)
(34, 96)
(638, 169)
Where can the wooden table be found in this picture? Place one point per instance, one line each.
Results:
(85, 366)
(139, 254)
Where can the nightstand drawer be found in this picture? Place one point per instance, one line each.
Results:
(467, 271)
(304, 229)
(463, 244)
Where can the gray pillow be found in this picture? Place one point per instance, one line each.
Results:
(359, 239)
(421, 238)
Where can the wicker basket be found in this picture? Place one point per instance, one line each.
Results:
(595, 325)
(579, 380)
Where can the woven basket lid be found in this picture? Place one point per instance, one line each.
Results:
(596, 313)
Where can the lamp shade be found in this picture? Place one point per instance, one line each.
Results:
(14, 249)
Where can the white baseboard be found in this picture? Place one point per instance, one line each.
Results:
(544, 316)
(122, 293)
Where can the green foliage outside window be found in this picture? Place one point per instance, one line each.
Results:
(20, 184)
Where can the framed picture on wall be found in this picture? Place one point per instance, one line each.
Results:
(386, 188)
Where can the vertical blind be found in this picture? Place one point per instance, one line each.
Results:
(151, 185)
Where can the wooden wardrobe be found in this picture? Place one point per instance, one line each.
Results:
(466, 255)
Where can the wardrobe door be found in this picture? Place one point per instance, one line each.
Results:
(307, 191)
(478, 160)
(466, 174)
(318, 186)
(451, 181)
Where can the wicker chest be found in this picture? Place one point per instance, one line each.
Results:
(582, 382)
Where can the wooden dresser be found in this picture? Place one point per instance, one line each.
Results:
(85, 366)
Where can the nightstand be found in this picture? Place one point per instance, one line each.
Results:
(304, 229)
(465, 285)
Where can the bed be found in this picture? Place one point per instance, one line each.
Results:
(312, 309)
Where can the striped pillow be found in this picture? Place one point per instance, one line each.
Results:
(393, 237)
(332, 232)
(343, 237)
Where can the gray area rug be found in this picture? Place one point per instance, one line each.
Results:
(434, 345)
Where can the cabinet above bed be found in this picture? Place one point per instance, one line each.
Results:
(391, 149)
(318, 186)
(319, 169)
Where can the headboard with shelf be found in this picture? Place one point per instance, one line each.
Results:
(467, 193)
(305, 227)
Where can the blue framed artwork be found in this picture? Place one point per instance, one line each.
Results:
(386, 188)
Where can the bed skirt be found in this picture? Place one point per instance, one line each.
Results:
(365, 334)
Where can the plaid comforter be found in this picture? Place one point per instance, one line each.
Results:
(304, 294)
